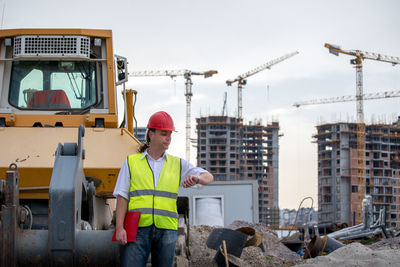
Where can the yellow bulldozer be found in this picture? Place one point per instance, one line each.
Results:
(61, 147)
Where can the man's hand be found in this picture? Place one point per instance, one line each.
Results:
(190, 180)
(122, 206)
(120, 236)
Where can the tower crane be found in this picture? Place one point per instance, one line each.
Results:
(241, 79)
(348, 98)
(357, 61)
(187, 74)
(359, 56)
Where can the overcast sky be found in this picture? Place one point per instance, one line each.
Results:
(233, 37)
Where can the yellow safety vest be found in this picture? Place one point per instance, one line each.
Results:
(157, 205)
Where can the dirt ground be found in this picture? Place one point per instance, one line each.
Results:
(356, 254)
(276, 253)
(382, 253)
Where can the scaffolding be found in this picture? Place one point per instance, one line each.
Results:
(338, 171)
(231, 150)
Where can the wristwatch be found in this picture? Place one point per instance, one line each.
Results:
(198, 180)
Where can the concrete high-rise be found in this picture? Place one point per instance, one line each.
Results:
(141, 134)
(338, 166)
(231, 150)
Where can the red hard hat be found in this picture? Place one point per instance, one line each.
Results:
(162, 121)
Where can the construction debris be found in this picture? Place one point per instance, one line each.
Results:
(381, 253)
(386, 243)
(309, 243)
(367, 228)
(218, 239)
(319, 245)
(276, 253)
(273, 246)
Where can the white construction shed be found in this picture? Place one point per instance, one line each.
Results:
(222, 202)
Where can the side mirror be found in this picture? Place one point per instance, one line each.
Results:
(122, 69)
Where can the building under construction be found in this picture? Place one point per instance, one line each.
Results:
(140, 134)
(231, 150)
(338, 166)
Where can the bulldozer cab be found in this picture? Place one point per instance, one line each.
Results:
(57, 72)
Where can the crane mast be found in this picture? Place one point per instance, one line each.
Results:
(187, 74)
(241, 79)
(224, 105)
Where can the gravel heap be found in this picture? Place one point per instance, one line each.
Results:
(356, 254)
(386, 243)
(276, 253)
(385, 252)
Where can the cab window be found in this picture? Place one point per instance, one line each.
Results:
(53, 85)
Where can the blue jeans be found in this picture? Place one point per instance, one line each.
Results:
(160, 242)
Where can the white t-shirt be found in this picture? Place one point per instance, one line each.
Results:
(124, 178)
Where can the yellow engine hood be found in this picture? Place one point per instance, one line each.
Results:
(33, 150)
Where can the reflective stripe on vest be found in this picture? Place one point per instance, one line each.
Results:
(157, 205)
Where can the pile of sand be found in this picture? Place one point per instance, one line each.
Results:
(276, 253)
(382, 253)
(356, 254)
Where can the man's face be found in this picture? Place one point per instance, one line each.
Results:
(160, 139)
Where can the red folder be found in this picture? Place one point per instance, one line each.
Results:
(131, 223)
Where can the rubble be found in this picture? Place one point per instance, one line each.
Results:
(381, 253)
(273, 246)
(276, 253)
(386, 243)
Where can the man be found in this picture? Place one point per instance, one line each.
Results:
(148, 182)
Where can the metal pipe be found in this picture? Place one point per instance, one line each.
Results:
(379, 221)
(9, 218)
(125, 107)
(129, 108)
(134, 118)
(346, 231)
(93, 248)
(367, 228)
(362, 234)
(359, 233)
(367, 212)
